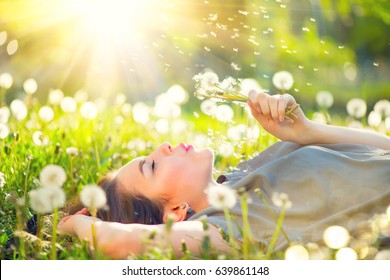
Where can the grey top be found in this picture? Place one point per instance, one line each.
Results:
(337, 184)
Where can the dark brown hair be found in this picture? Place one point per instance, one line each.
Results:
(125, 207)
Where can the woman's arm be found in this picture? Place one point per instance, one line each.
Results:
(118, 241)
(269, 111)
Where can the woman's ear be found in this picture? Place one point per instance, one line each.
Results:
(179, 212)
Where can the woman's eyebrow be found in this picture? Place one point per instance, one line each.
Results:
(140, 166)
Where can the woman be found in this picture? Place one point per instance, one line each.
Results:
(331, 174)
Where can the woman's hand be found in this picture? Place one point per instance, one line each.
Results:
(270, 112)
(78, 224)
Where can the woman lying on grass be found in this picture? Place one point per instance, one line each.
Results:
(332, 176)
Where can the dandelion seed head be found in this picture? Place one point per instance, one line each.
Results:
(336, 237)
(137, 145)
(52, 175)
(281, 200)
(45, 200)
(81, 96)
(68, 104)
(225, 149)
(221, 197)
(126, 109)
(346, 254)
(249, 84)
(39, 139)
(89, 110)
(93, 196)
(178, 94)
(296, 252)
(162, 126)
(324, 99)
(6, 80)
(141, 113)
(72, 151)
(4, 114)
(319, 118)
(46, 114)
(224, 113)
(208, 107)
(382, 107)
(18, 109)
(283, 80)
(356, 107)
(30, 86)
(374, 119)
(4, 131)
(55, 96)
(120, 99)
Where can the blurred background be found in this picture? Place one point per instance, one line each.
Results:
(141, 48)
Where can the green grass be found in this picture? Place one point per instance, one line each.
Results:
(104, 144)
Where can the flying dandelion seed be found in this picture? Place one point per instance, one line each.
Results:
(336, 237)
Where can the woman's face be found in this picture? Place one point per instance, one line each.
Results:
(178, 174)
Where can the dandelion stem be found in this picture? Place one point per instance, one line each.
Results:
(247, 234)
(230, 227)
(53, 252)
(276, 232)
(97, 155)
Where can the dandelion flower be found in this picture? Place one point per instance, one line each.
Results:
(177, 94)
(120, 99)
(382, 107)
(4, 114)
(283, 80)
(30, 86)
(346, 254)
(45, 200)
(226, 149)
(208, 107)
(126, 109)
(224, 113)
(221, 197)
(4, 131)
(46, 114)
(68, 104)
(18, 109)
(324, 99)
(93, 197)
(141, 113)
(162, 126)
(374, 119)
(248, 84)
(281, 200)
(55, 96)
(336, 237)
(356, 107)
(2, 180)
(39, 139)
(89, 110)
(6, 80)
(296, 252)
(81, 96)
(72, 151)
(52, 175)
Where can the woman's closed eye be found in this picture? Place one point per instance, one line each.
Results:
(153, 165)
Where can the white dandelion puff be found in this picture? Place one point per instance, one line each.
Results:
(39, 139)
(92, 196)
(382, 107)
(6, 80)
(141, 113)
(30, 86)
(68, 104)
(208, 107)
(374, 119)
(4, 114)
(336, 237)
(72, 151)
(55, 96)
(324, 99)
(4, 131)
(52, 175)
(221, 197)
(18, 109)
(224, 113)
(46, 114)
(346, 254)
(177, 94)
(283, 80)
(45, 200)
(296, 252)
(89, 110)
(356, 107)
(281, 200)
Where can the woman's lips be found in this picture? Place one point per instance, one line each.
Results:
(186, 147)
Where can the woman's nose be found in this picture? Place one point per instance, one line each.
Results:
(165, 149)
